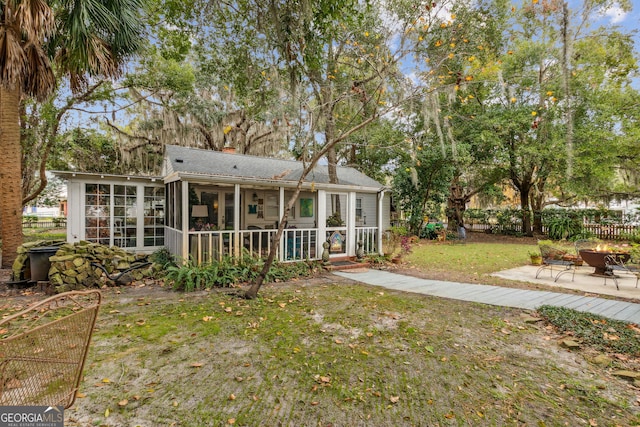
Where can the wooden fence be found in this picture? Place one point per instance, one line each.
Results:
(601, 231)
(45, 223)
(610, 231)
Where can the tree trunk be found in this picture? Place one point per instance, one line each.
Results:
(537, 203)
(456, 205)
(526, 211)
(10, 175)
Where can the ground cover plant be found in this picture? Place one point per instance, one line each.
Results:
(595, 331)
(333, 353)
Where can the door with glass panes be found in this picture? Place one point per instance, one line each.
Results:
(221, 206)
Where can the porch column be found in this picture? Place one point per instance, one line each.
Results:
(351, 223)
(380, 221)
(321, 223)
(185, 220)
(280, 215)
(236, 221)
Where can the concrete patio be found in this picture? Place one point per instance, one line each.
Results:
(583, 281)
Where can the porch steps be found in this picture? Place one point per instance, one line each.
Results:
(346, 263)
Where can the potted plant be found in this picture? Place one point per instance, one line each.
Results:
(536, 257)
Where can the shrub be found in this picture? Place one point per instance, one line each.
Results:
(227, 273)
(632, 236)
(163, 258)
(564, 227)
(431, 230)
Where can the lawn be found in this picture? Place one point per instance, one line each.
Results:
(335, 353)
(476, 259)
(327, 351)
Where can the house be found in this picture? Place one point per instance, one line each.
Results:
(209, 204)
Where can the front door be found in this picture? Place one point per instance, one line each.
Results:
(221, 208)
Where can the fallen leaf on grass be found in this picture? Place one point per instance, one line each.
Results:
(228, 309)
(231, 421)
(610, 337)
(106, 380)
(197, 365)
(322, 379)
(207, 318)
(123, 403)
(80, 395)
(232, 396)
(394, 399)
(141, 322)
(314, 403)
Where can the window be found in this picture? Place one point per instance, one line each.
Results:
(112, 215)
(153, 216)
(124, 216)
(97, 220)
(272, 207)
(358, 209)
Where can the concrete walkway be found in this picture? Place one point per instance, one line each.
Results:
(497, 295)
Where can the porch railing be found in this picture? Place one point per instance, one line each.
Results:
(369, 238)
(297, 244)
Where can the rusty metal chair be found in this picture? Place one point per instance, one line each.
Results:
(551, 257)
(43, 349)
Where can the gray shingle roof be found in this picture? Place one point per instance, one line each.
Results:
(230, 165)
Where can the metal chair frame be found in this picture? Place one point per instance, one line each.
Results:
(43, 349)
(613, 264)
(549, 261)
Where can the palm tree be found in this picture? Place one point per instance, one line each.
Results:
(42, 41)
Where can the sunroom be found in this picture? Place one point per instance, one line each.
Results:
(222, 204)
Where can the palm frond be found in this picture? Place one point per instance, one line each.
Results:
(95, 36)
(39, 80)
(13, 61)
(35, 18)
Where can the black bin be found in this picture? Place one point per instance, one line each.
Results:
(39, 262)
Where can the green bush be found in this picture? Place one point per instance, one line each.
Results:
(632, 236)
(564, 226)
(230, 271)
(163, 258)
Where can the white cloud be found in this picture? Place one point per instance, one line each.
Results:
(614, 13)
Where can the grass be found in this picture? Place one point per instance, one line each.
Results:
(332, 354)
(468, 262)
(306, 354)
(34, 234)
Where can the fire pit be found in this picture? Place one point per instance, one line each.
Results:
(596, 259)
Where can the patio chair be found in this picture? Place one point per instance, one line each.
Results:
(582, 244)
(43, 349)
(616, 264)
(551, 257)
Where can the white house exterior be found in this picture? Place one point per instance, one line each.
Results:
(212, 204)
